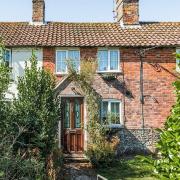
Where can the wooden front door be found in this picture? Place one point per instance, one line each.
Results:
(72, 137)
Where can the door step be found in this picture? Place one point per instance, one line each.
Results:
(75, 158)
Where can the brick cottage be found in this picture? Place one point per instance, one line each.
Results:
(137, 59)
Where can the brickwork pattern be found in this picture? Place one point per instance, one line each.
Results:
(159, 74)
(38, 11)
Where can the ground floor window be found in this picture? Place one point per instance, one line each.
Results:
(111, 111)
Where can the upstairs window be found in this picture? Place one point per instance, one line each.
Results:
(108, 60)
(111, 111)
(177, 61)
(62, 56)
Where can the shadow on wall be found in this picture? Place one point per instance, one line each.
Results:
(136, 141)
(119, 85)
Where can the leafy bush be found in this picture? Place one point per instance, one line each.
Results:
(102, 153)
(100, 150)
(37, 111)
(169, 145)
(28, 127)
(14, 167)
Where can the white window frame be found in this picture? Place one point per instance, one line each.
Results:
(109, 108)
(177, 60)
(109, 60)
(66, 50)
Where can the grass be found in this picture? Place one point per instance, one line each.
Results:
(128, 169)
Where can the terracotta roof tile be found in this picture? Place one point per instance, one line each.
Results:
(90, 34)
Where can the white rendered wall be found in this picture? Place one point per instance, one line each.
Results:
(19, 56)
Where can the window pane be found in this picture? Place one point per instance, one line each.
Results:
(77, 109)
(74, 57)
(103, 60)
(67, 114)
(7, 57)
(61, 62)
(114, 60)
(104, 110)
(115, 114)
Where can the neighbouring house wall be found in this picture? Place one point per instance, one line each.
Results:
(18, 57)
(158, 75)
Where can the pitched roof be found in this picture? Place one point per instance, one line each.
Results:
(90, 34)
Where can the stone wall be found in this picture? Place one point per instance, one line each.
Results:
(137, 141)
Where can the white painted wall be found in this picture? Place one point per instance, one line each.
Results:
(18, 58)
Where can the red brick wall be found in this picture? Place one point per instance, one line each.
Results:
(49, 59)
(158, 90)
(158, 79)
(38, 14)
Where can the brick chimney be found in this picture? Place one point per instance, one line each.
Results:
(38, 15)
(127, 12)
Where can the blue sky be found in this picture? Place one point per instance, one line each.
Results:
(88, 10)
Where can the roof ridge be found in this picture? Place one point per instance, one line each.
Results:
(8, 22)
(63, 22)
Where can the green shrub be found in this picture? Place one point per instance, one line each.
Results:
(14, 167)
(102, 154)
(167, 166)
(100, 150)
(169, 145)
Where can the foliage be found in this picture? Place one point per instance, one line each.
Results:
(12, 165)
(178, 56)
(4, 84)
(169, 145)
(167, 164)
(84, 80)
(109, 76)
(28, 143)
(128, 168)
(37, 111)
(16, 166)
(100, 151)
(112, 118)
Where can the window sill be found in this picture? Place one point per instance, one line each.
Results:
(109, 72)
(115, 126)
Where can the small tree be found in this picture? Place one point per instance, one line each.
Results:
(37, 110)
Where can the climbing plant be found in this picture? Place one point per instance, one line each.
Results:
(100, 151)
